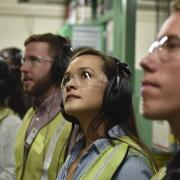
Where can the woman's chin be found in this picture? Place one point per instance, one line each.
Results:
(71, 112)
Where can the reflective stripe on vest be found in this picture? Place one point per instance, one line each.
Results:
(31, 169)
(160, 175)
(111, 158)
(51, 148)
(135, 146)
(109, 165)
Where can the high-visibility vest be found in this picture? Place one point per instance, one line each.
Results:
(110, 159)
(4, 113)
(46, 154)
(160, 175)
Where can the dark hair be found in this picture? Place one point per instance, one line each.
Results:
(13, 58)
(14, 54)
(6, 82)
(59, 50)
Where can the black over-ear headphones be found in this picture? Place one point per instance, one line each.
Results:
(60, 62)
(118, 93)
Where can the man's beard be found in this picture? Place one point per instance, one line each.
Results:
(40, 87)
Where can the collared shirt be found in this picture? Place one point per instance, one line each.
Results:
(134, 167)
(44, 113)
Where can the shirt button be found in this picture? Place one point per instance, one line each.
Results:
(37, 119)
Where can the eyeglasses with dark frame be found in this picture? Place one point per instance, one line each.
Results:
(168, 43)
(34, 60)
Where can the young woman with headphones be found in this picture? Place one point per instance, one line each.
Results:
(97, 99)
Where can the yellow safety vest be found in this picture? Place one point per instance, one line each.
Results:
(110, 159)
(160, 174)
(46, 154)
(4, 113)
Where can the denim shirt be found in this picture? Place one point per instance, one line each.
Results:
(134, 167)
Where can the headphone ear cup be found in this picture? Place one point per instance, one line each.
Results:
(108, 94)
(117, 95)
(60, 63)
(58, 68)
(55, 69)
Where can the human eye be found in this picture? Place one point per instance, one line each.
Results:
(34, 59)
(86, 75)
(65, 80)
(172, 43)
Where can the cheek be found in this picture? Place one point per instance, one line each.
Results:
(95, 96)
(171, 82)
(43, 79)
(162, 109)
(163, 106)
(172, 100)
(43, 74)
(152, 108)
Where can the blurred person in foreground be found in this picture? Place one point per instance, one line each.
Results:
(9, 123)
(161, 84)
(41, 141)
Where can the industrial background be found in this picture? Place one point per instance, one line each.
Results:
(123, 28)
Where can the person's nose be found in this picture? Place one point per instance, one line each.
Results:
(25, 66)
(71, 84)
(150, 62)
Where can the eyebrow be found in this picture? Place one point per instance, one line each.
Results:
(86, 68)
(81, 69)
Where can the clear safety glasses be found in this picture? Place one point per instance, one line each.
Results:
(166, 43)
(82, 79)
(34, 60)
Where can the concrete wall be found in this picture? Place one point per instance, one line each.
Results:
(18, 21)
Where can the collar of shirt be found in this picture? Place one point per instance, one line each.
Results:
(100, 144)
(53, 100)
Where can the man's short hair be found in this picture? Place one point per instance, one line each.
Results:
(175, 6)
